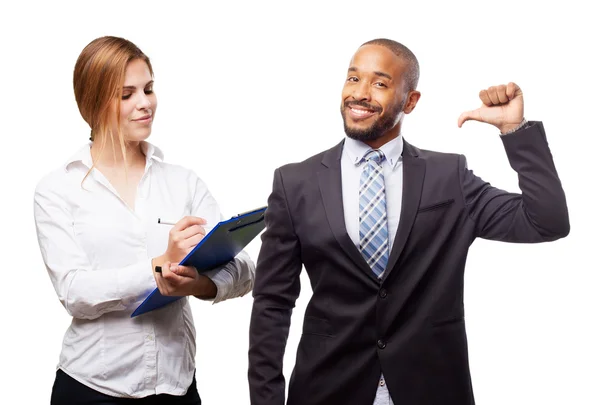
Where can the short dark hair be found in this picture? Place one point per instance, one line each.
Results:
(412, 73)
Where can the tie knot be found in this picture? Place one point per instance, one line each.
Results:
(376, 156)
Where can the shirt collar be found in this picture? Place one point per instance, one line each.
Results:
(84, 155)
(392, 150)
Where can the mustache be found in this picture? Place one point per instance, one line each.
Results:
(363, 104)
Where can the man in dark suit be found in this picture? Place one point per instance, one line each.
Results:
(383, 229)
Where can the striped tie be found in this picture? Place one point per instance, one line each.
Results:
(373, 217)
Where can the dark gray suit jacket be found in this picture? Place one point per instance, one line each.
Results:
(410, 325)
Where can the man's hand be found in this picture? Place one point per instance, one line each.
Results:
(180, 281)
(502, 107)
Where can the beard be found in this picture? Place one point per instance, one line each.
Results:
(382, 124)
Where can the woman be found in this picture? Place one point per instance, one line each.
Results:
(96, 219)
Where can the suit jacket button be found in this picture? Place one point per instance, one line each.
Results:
(383, 293)
(381, 344)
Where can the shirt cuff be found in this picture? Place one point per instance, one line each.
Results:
(524, 124)
(223, 280)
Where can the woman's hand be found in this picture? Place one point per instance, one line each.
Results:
(175, 280)
(183, 237)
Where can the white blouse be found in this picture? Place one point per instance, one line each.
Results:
(98, 254)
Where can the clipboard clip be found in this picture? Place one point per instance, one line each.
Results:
(249, 212)
(235, 228)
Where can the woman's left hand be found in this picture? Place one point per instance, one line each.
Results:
(179, 281)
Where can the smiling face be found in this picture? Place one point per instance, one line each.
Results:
(138, 103)
(374, 97)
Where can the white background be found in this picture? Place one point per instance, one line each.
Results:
(249, 86)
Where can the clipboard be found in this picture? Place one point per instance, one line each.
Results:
(219, 246)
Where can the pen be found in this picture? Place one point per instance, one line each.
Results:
(171, 222)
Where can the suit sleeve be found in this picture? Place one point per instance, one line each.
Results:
(276, 289)
(539, 213)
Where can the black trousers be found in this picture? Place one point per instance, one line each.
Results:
(68, 391)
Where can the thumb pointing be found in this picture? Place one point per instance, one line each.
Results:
(469, 115)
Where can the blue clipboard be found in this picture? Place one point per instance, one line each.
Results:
(219, 246)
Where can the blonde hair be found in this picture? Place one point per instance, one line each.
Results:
(98, 80)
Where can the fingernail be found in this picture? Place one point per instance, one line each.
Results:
(158, 269)
(174, 267)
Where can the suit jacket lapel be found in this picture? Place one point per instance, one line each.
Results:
(330, 184)
(412, 184)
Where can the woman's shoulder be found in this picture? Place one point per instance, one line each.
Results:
(53, 186)
(173, 171)
(176, 171)
(156, 155)
(70, 171)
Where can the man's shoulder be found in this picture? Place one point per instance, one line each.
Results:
(314, 163)
(429, 155)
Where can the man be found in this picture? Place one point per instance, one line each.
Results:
(383, 229)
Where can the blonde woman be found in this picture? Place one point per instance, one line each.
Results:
(96, 220)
